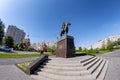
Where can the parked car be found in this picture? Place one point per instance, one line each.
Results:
(5, 48)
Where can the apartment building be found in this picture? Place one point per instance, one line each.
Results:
(17, 34)
(100, 42)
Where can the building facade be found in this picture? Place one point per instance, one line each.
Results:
(17, 34)
(104, 41)
(37, 46)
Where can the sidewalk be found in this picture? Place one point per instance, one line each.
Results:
(113, 72)
(11, 72)
(8, 71)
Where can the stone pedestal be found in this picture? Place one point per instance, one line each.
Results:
(65, 47)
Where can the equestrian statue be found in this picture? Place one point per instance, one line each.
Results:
(64, 28)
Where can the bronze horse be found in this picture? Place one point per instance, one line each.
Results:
(64, 29)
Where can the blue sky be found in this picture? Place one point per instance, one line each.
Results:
(91, 20)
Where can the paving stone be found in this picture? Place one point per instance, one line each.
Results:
(11, 72)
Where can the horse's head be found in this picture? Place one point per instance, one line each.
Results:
(68, 24)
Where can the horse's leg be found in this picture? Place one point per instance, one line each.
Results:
(66, 30)
(61, 34)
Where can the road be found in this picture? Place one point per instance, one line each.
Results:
(21, 52)
(12, 61)
(26, 52)
(113, 72)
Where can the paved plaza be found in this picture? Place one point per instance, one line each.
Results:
(113, 72)
(8, 71)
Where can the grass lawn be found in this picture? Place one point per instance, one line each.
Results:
(24, 65)
(6, 55)
(93, 53)
(100, 52)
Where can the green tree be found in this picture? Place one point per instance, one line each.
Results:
(80, 49)
(110, 44)
(51, 49)
(91, 47)
(15, 46)
(2, 26)
(9, 41)
(85, 50)
(118, 41)
(103, 46)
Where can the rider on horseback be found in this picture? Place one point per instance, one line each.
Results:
(64, 28)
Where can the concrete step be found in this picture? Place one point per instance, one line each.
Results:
(83, 68)
(86, 59)
(89, 61)
(103, 72)
(37, 77)
(66, 73)
(77, 61)
(64, 68)
(97, 72)
(82, 58)
(88, 66)
(63, 77)
(64, 65)
(95, 66)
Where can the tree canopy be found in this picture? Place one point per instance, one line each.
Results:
(9, 41)
(2, 26)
